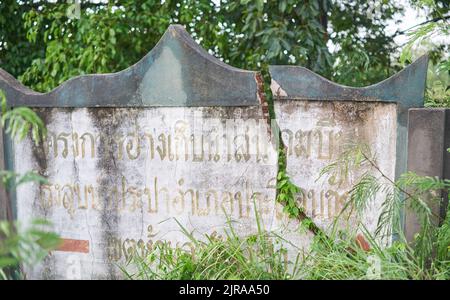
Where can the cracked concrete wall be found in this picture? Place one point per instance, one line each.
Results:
(316, 133)
(320, 120)
(182, 138)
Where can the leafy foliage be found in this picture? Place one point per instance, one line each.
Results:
(248, 34)
(286, 190)
(24, 247)
(18, 122)
(438, 85)
(364, 52)
(432, 36)
(16, 51)
(12, 179)
(21, 120)
(19, 246)
(287, 195)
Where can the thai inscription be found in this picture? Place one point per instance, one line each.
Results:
(125, 178)
(179, 146)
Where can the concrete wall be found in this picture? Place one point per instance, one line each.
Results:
(123, 178)
(317, 132)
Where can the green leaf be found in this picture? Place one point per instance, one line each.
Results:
(282, 6)
(7, 262)
(49, 241)
(260, 5)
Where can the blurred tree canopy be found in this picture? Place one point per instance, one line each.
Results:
(43, 45)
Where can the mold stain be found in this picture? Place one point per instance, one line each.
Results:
(107, 121)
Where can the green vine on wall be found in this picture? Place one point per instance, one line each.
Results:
(287, 195)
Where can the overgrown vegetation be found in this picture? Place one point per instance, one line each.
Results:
(24, 246)
(432, 36)
(231, 256)
(341, 256)
(54, 45)
(286, 190)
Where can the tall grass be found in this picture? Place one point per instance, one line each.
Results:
(335, 253)
(341, 256)
(346, 259)
(257, 256)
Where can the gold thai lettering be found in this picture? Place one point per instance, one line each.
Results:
(324, 204)
(84, 138)
(133, 145)
(126, 198)
(64, 138)
(124, 248)
(210, 145)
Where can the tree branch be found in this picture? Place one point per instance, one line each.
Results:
(408, 195)
(437, 19)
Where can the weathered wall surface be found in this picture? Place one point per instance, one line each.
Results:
(178, 139)
(405, 89)
(121, 178)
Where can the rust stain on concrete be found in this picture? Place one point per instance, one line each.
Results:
(72, 245)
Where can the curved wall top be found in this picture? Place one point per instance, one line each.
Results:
(176, 72)
(406, 87)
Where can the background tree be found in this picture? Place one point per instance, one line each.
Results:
(432, 36)
(16, 51)
(248, 34)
